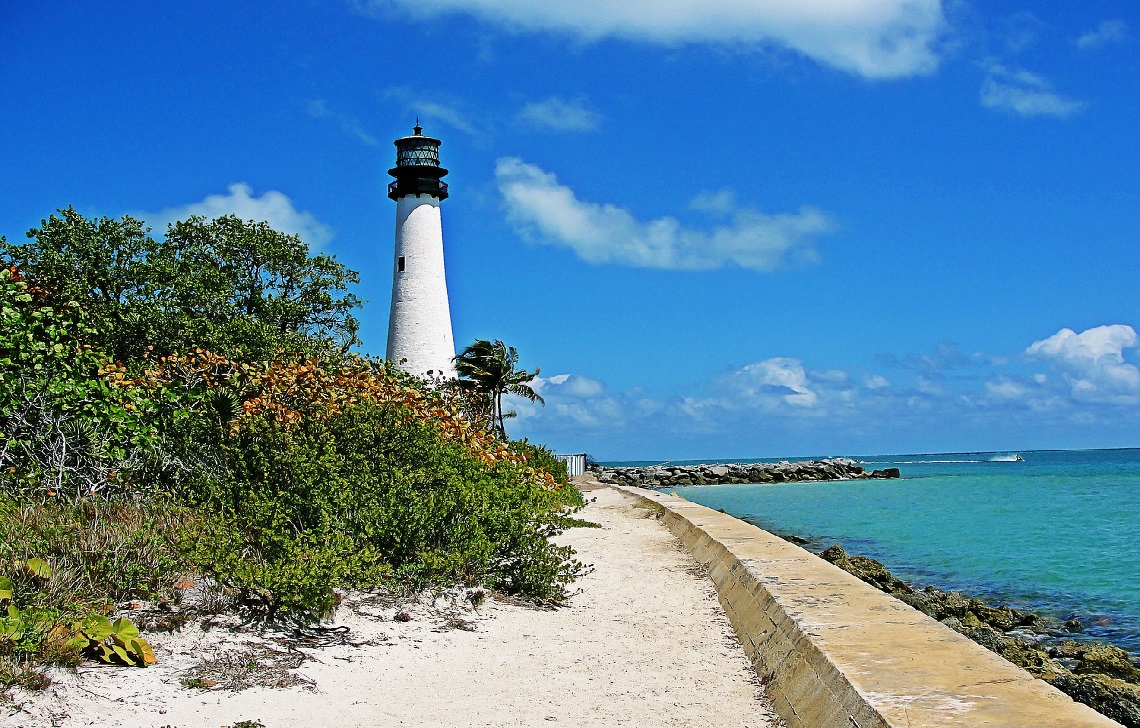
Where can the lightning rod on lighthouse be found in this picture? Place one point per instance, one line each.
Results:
(420, 340)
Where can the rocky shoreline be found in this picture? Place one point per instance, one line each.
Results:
(665, 476)
(1099, 675)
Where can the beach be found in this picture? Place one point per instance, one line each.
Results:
(643, 641)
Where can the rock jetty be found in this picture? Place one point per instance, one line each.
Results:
(1099, 675)
(663, 476)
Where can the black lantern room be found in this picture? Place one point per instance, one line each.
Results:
(417, 169)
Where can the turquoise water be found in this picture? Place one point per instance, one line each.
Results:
(1058, 533)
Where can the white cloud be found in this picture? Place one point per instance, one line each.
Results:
(272, 207)
(1108, 32)
(559, 115)
(1092, 363)
(721, 202)
(928, 387)
(569, 385)
(573, 399)
(780, 386)
(872, 38)
(318, 109)
(1099, 344)
(1005, 388)
(602, 233)
(781, 378)
(876, 381)
(1025, 93)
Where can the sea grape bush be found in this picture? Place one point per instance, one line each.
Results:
(349, 475)
(540, 457)
(111, 642)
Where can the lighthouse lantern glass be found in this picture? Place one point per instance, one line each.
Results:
(417, 153)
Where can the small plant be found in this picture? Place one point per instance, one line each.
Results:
(38, 568)
(24, 630)
(111, 642)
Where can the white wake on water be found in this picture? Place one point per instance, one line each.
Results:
(1014, 458)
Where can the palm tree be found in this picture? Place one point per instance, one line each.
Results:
(489, 367)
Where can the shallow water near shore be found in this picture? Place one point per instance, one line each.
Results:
(1058, 533)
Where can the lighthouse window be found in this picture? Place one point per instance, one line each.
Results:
(400, 264)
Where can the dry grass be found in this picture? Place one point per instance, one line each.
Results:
(100, 552)
(253, 665)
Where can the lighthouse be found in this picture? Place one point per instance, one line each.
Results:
(420, 341)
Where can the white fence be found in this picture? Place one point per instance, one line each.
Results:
(575, 464)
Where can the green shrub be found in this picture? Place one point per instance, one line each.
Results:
(278, 532)
(438, 513)
(32, 635)
(370, 495)
(111, 642)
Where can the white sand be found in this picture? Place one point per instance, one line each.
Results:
(645, 643)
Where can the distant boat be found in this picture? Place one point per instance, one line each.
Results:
(1014, 458)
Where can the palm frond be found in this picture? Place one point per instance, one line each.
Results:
(524, 391)
(489, 366)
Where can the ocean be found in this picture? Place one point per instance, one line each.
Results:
(1057, 533)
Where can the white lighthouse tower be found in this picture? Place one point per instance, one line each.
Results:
(420, 341)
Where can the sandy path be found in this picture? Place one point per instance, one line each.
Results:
(644, 643)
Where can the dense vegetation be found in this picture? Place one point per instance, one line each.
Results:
(190, 408)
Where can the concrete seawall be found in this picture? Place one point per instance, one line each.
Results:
(835, 652)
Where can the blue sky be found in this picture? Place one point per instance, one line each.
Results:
(750, 228)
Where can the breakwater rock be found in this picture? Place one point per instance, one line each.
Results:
(662, 476)
(1099, 675)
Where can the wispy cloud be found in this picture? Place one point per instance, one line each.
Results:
(272, 207)
(945, 358)
(1107, 33)
(1024, 29)
(434, 108)
(1025, 93)
(318, 109)
(872, 38)
(550, 213)
(560, 115)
